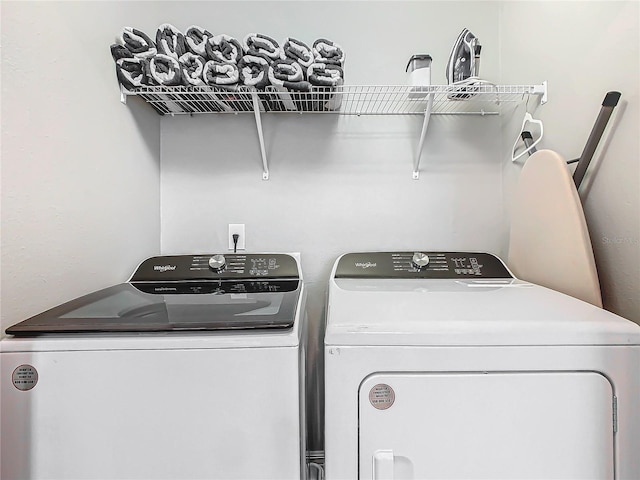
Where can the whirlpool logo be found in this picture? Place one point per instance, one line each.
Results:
(164, 268)
(364, 265)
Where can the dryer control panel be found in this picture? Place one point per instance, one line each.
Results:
(421, 265)
(233, 266)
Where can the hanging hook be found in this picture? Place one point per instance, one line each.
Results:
(531, 147)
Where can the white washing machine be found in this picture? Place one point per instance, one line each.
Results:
(190, 370)
(442, 365)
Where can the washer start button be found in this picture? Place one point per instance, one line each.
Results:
(25, 377)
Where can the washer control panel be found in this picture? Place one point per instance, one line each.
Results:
(232, 266)
(421, 264)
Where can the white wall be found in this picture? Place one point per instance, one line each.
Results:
(80, 171)
(584, 50)
(337, 183)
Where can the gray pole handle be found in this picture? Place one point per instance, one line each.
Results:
(609, 103)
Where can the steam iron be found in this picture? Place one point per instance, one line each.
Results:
(464, 63)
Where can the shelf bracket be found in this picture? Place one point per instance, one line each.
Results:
(256, 112)
(542, 91)
(423, 134)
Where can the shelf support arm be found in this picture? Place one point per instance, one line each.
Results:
(256, 112)
(425, 125)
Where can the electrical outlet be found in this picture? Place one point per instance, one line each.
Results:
(236, 228)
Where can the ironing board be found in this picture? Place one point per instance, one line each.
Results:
(549, 241)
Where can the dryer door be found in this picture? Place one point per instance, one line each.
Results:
(495, 425)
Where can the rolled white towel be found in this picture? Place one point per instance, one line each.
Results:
(326, 51)
(138, 43)
(224, 48)
(165, 70)
(170, 41)
(254, 71)
(196, 39)
(325, 75)
(133, 72)
(288, 74)
(218, 73)
(192, 66)
(297, 51)
(259, 44)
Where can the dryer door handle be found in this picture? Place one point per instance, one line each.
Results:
(383, 465)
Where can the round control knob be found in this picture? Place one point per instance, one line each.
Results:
(217, 262)
(420, 260)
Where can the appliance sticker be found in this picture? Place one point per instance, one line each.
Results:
(382, 396)
(25, 377)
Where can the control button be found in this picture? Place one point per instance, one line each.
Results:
(217, 262)
(420, 260)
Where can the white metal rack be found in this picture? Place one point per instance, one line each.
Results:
(474, 99)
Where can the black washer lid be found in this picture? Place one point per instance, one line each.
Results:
(183, 293)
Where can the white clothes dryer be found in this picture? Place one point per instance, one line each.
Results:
(441, 365)
(190, 370)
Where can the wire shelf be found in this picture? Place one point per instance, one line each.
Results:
(473, 99)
